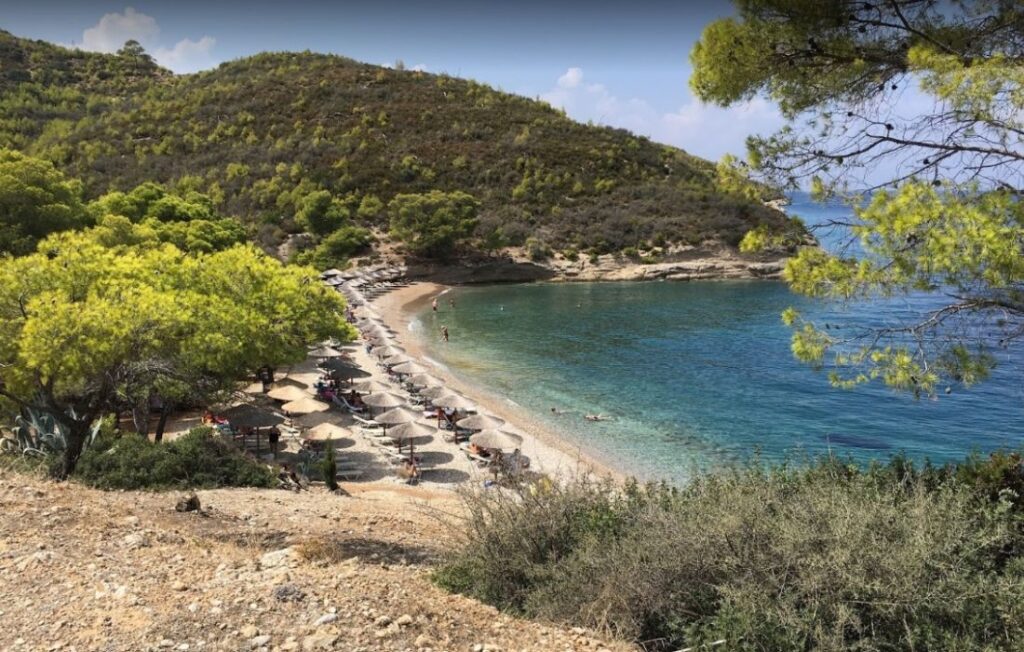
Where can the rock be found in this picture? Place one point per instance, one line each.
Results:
(189, 503)
(249, 631)
(383, 621)
(166, 644)
(136, 540)
(259, 641)
(277, 558)
(326, 619)
(179, 586)
(404, 620)
(288, 593)
(423, 641)
(319, 641)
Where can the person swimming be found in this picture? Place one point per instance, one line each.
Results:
(596, 417)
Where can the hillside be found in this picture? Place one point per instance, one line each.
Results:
(261, 570)
(262, 133)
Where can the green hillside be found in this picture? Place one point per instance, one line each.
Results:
(261, 135)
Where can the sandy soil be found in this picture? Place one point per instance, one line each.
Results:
(549, 452)
(265, 570)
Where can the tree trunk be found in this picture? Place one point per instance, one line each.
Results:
(165, 412)
(140, 417)
(77, 434)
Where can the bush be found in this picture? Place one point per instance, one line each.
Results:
(828, 557)
(198, 460)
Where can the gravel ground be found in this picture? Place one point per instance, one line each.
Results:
(82, 569)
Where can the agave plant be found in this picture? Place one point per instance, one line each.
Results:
(38, 433)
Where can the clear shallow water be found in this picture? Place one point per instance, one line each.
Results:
(700, 374)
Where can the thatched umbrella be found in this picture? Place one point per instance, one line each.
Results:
(305, 406)
(288, 393)
(326, 352)
(330, 272)
(455, 402)
(434, 392)
(345, 369)
(250, 416)
(387, 351)
(373, 387)
(396, 359)
(397, 415)
(424, 380)
(496, 440)
(385, 400)
(327, 431)
(411, 433)
(480, 422)
(409, 368)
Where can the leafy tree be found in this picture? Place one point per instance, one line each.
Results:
(319, 213)
(934, 185)
(435, 222)
(337, 248)
(35, 200)
(86, 329)
(133, 52)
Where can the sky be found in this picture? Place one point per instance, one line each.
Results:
(623, 64)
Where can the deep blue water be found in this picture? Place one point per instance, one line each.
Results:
(700, 374)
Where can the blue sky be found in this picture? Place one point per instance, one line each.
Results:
(623, 64)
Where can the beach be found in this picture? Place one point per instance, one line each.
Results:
(549, 453)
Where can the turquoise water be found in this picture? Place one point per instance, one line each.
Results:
(700, 374)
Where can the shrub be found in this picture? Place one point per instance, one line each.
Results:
(827, 557)
(198, 460)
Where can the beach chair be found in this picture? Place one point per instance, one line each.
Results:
(367, 424)
(343, 403)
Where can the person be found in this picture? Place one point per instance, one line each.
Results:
(289, 479)
(596, 417)
(451, 303)
(444, 333)
(434, 304)
(274, 437)
(410, 471)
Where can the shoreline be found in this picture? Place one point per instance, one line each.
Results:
(554, 453)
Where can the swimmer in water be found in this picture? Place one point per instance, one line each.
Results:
(596, 417)
(434, 304)
(444, 333)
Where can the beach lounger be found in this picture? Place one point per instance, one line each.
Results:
(366, 423)
(341, 402)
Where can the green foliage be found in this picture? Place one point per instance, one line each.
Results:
(320, 213)
(85, 328)
(433, 223)
(329, 467)
(288, 125)
(946, 221)
(336, 249)
(200, 459)
(38, 434)
(825, 557)
(35, 200)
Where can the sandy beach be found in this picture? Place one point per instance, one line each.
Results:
(549, 453)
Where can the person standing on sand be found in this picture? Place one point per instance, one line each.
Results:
(444, 333)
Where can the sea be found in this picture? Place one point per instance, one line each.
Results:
(699, 375)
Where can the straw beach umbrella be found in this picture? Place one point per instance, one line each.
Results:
(384, 400)
(373, 387)
(325, 352)
(395, 416)
(397, 359)
(424, 380)
(250, 416)
(305, 406)
(412, 433)
(288, 393)
(327, 431)
(412, 367)
(387, 351)
(434, 392)
(480, 422)
(496, 440)
(455, 402)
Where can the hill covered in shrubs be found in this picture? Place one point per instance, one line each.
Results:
(303, 142)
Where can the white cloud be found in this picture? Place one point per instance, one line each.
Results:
(113, 29)
(700, 129)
